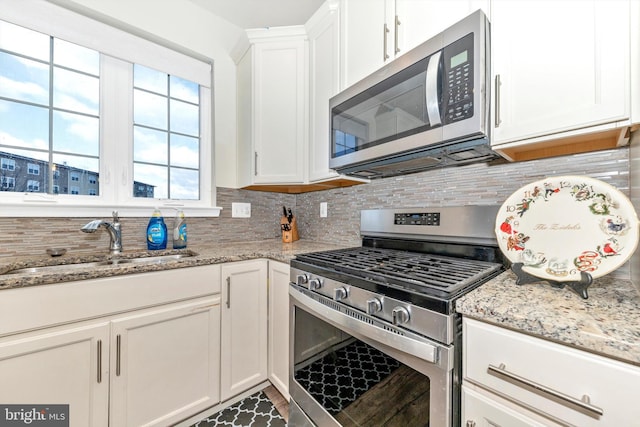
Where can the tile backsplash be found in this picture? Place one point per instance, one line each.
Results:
(32, 236)
(484, 183)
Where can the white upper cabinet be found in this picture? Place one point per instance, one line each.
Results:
(324, 82)
(272, 107)
(365, 41)
(419, 20)
(378, 31)
(560, 69)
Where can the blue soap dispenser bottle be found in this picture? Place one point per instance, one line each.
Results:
(156, 232)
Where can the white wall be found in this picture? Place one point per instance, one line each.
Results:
(184, 23)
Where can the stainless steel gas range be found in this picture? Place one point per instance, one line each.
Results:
(375, 339)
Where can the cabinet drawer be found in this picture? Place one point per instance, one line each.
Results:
(546, 376)
(34, 307)
(481, 409)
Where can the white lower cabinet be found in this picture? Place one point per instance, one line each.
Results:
(129, 350)
(244, 326)
(165, 364)
(68, 365)
(541, 380)
(279, 326)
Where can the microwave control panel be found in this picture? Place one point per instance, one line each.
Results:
(459, 78)
(423, 218)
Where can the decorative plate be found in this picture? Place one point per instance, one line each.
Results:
(560, 226)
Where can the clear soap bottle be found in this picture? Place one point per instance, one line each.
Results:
(180, 231)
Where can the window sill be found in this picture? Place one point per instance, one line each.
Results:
(54, 209)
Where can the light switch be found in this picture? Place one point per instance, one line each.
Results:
(241, 210)
(323, 209)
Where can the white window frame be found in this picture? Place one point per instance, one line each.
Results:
(7, 164)
(33, 169)
(120, 50)
(33, 183)
(9, 180)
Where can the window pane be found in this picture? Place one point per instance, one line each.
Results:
(150, 110)
(150, 146)
(23, 125)
(156, 149)
(75, 92)
(185, 184)
(76, 57)
(79, 164)
(76, 134)
(149, 79)
(23, 79)
(29, 156)
(26, 42)
(185, 118)
(184, 151)
(185, 90)
(71, 140)
(75, 175)
(14, 171)
(152, 176)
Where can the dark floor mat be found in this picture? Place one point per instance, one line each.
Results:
(254, 411)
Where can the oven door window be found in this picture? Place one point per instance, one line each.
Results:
(357, 384)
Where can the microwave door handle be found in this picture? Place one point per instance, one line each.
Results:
(431, 89)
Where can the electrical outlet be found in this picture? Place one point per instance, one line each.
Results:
(241, 210)
(323, 209)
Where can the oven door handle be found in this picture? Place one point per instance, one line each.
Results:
(427, 350)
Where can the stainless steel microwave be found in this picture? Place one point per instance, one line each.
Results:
(428, 108)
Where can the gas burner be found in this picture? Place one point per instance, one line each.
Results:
(411, 270)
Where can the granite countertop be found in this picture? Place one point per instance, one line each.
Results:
(224, 252)
(607, 323)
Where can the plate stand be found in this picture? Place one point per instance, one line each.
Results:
(578, 286)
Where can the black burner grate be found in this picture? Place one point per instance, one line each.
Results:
(407, 269)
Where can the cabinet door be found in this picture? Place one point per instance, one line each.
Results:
(279, 121)
(279, 326)
(165, 363)
(478, 410)
(62, 366)
(244, 327)
(419, 20)
(363, 37)
(558, 66)
(324, 82)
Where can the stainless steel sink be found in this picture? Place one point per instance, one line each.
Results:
(160, 259)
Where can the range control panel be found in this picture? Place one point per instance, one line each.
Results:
(423, 218)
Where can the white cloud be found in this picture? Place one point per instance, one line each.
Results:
(8, 139)
(23, 90)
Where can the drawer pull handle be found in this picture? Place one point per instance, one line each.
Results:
(583, 405)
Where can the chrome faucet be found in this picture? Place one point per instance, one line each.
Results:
(115, 235)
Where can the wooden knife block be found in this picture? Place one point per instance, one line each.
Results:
(292, 234)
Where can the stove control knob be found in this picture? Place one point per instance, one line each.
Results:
(314, 284)
(301, 279)
(340, 293)
(400, 315)
(374, 305)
